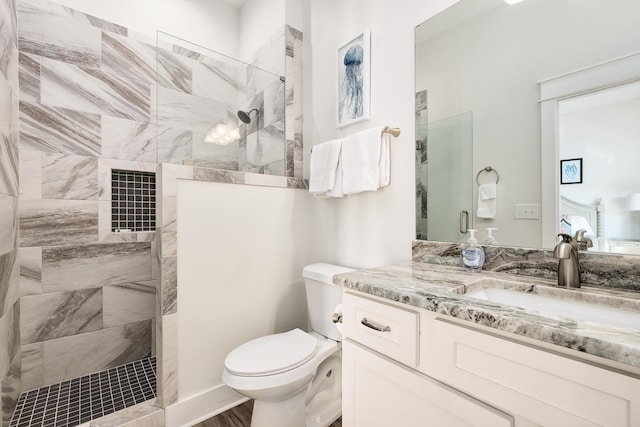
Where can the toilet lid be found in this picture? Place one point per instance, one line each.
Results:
(271, 354)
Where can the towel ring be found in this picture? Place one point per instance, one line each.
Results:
(488, 169)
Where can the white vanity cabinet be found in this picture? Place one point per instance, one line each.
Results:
(424, 369)
(380, 392)
(545, 388)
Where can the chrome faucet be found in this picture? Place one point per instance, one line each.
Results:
(568, 270)
(583, 242)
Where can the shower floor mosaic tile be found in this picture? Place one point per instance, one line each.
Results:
(79, 400)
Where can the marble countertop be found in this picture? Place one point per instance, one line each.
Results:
(441, 289)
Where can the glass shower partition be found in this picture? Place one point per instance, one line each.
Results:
(448, 179)
(217, 112)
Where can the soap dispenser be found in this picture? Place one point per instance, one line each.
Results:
(473, 255)
(490, 240)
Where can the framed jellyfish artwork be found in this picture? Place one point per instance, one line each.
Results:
(353, 80)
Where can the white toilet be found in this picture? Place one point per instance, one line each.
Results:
(295, 377)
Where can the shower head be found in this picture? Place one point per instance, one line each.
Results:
(244, 115)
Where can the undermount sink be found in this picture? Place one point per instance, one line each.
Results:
(592, 305)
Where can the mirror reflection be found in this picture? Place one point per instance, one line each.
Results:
(602, 130)
(484, 59)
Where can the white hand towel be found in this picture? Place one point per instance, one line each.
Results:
(337, 188)
(487, 201)
(385, 159)
(324, 168)
(362, 156)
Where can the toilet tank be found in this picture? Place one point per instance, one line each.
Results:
(323, 297)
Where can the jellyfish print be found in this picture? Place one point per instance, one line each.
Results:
(352, 82)
(351, 103)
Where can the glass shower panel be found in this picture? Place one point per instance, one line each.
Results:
(449, 180)
(421, 165)
(217, 112)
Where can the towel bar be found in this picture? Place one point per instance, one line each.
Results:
(488, 169)
(393, 131)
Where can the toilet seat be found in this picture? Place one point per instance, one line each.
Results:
(275, 354)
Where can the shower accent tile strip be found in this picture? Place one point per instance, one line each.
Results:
(79, 400)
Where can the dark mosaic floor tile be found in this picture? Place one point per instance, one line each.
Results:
(79, 400)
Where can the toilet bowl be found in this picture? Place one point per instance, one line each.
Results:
(279, 387)
(295, 377)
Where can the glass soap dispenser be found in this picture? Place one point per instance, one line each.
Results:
(490, 240)
(472, 254)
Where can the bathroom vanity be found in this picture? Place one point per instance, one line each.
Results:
(422, 347)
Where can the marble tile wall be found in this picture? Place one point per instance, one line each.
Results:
(85, 106)
(205, 91)
(263, 142)
(10, 350)
(280, 129)
(596, 269)
(293, 101)
(145, 414)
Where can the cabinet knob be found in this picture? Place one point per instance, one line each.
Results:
(336, 318)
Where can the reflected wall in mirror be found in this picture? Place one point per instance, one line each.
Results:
(486, 58)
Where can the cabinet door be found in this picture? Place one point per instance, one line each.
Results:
(545, 388)
(378, 392)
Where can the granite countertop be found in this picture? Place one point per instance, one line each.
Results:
(441, 289)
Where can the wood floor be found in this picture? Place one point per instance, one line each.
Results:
(240, 416)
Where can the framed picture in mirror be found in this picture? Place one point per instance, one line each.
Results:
(571, 171)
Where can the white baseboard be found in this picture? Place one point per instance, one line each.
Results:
(200, 407)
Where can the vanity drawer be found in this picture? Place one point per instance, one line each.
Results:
(390, 330)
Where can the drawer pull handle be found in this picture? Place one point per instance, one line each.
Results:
(375, 326)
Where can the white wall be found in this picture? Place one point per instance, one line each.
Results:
(241, 250)
(209, 23)
(370, 229)
(295, 13)
(259, 19)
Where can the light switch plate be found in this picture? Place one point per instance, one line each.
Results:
(526, 212)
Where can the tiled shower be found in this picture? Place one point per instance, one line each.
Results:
(82, 113)
(77, 298)
(10, 355)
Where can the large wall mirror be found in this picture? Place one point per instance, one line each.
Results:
(481, 68)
